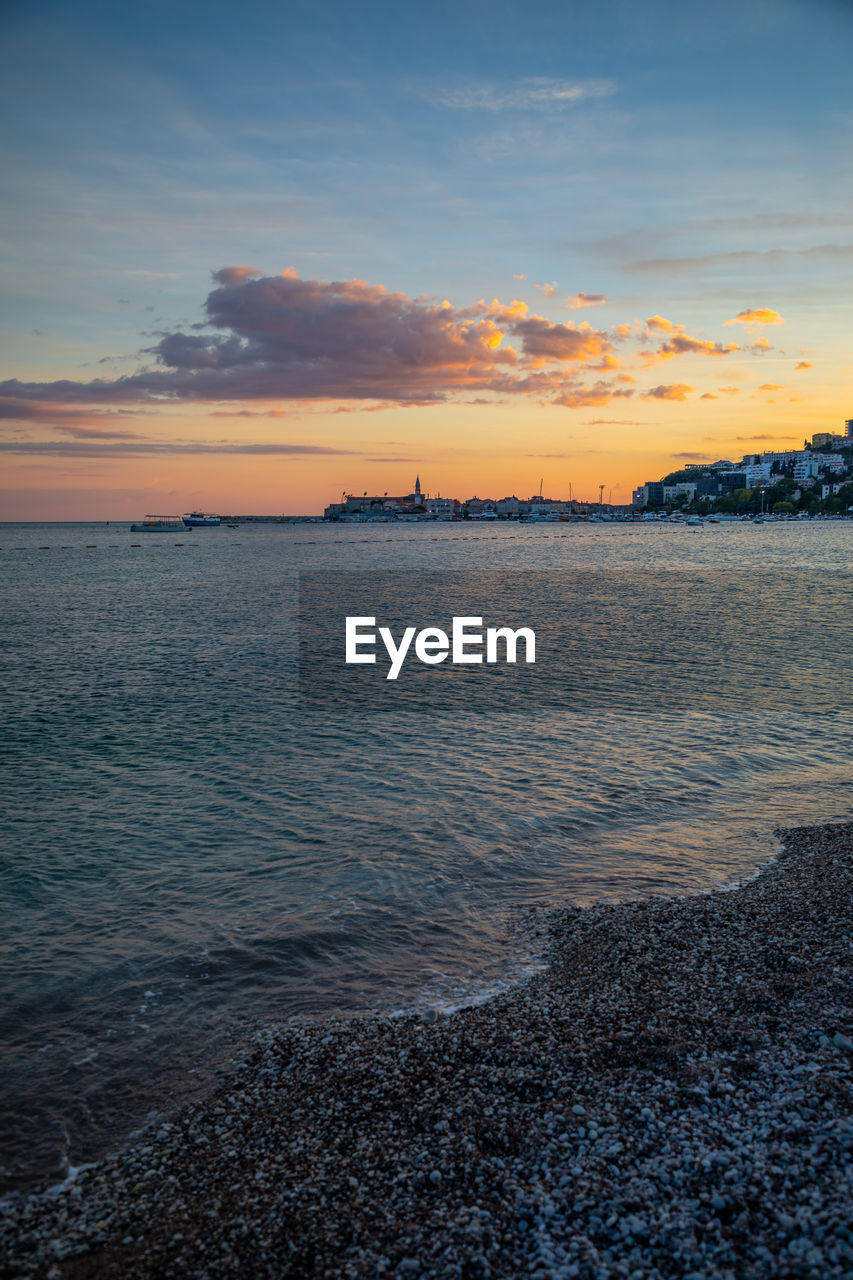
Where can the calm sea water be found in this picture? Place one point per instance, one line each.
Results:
(193, 850)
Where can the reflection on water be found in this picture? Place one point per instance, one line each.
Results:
(190, 850)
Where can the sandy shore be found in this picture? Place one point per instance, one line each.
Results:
(670, 1098)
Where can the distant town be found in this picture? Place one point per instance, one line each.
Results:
(816, 480)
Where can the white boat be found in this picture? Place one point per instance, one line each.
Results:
(197, 519)
(694, 522)
(159, 524)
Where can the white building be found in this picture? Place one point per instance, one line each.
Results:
(807, 466)
(758, 473)
(684, 488)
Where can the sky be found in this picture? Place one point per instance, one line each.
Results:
(257, 256)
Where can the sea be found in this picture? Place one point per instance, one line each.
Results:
(214, 828)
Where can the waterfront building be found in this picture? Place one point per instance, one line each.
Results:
(685, 489)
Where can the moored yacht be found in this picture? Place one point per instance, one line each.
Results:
(195, 519)
(159, 524)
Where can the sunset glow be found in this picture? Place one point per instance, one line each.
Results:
(531, 251)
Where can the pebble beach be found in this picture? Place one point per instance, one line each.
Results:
(670, 1096)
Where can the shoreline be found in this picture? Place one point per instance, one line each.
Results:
(669, 1096)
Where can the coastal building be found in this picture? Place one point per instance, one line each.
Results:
(782, 457)
(806, 468)
(758, 473)
(480, 509)
(812, 464)
(443, 508)
(684, 489)
(652, 494)
(376, 506)
(732, 480)
(509, 507)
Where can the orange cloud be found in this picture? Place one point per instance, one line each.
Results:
(579, 300)
(564, 342)
(608, 364)
(547, 290)
(772, 386)
(282, 338)
(665, 326)
(680, 345)
(231, 277)
(600, 393)
(755, 317)
(729, 391)
(672, 391)
(709, 395)
(804, 364)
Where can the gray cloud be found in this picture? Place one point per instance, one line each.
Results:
(69, 449)
(822, 252)
(285, 338)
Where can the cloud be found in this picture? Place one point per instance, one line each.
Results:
(804, 364)
(746, 439)
(673, 391)
(665, 326)
(829, 253)
(81, 423)
(694, 457)
(521, 276)
(600, 393)
(231, 277)
(615, 422)
(69, 449)
(579, 300)
(729, 391)
(534, 93)
(680, 345)
(285, 338)
(772, 386)
(547, 290)
(95, 433)
(755, 317)
(709, 395)
(250, 413)
(542, 340)
(266, 344)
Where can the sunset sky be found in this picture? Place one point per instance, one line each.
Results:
(254, 256)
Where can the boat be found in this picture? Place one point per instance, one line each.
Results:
(694, 522)
(159, 524)
(197, 519)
